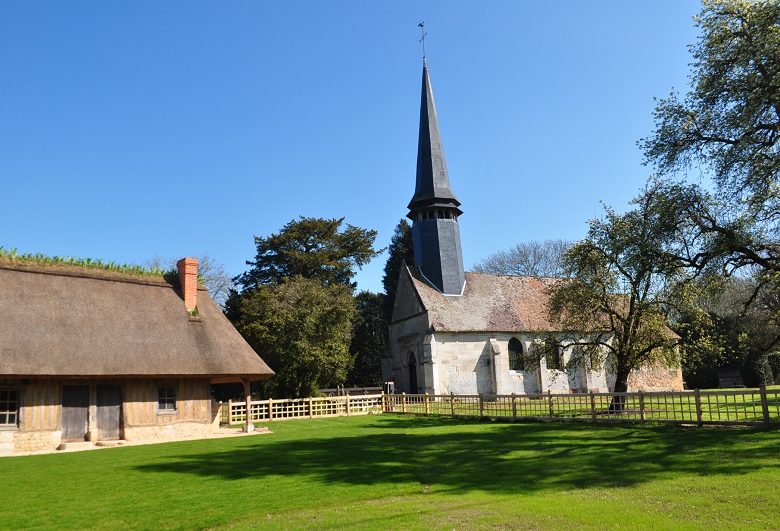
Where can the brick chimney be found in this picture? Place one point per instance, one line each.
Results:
(188, 278)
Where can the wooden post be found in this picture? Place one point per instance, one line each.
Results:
(481, 405)
(764, 405)
(346, 403)
(550, 400)
(249, 426)
(230, 411)
(697, 396)
(270, 409)
(403, 402)
(592, 406)
(641, 406)
(452, 403)
(427, 404)
(311, 409)
(514, 406)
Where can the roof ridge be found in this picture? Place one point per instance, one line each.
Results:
(71, 270)
(538, 277)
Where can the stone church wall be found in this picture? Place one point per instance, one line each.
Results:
(407, 338)
(470, 363)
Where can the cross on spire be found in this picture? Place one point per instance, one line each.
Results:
(421, 25)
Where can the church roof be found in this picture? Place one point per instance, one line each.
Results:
(61, 320)
(433, 184)
(490, 303)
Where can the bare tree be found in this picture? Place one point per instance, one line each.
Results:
(533, 259)
(213, 275)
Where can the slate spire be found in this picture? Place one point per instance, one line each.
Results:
(434, 208)
(433, 183)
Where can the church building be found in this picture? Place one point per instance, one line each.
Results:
(466, 333)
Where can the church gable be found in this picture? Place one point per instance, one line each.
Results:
(407, 302)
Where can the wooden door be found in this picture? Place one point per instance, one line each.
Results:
(109, 411)
(75, 412)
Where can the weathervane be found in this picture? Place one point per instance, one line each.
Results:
(421, 25)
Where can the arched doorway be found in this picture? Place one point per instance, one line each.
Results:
(413, 374)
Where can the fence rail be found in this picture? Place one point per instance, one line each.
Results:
(734, 407)
(738, 407)
(298, 408)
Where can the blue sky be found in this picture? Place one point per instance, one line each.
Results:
(137, 129)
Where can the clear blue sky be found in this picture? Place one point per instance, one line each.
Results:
(137, 129)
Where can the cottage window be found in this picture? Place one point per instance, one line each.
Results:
(516, 355)
(9, 407)
(166, 399)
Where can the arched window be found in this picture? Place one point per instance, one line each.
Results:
(516, 355)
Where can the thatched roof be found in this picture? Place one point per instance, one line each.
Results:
(490, 303)
(72, 321)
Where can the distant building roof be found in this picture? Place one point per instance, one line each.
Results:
(490, 303)
(70, 321)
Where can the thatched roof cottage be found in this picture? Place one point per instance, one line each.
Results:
(94, 355)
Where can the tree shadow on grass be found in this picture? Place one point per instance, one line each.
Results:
(467, 455)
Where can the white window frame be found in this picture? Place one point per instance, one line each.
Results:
(166, 399)
(6, 413)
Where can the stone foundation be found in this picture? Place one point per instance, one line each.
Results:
(12, 442)
(175, 431)
(20, 441)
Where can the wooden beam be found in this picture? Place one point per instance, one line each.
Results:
(249, 426)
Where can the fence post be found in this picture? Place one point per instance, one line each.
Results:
(270, 409)
(481, 405)
(311, 410)
(641, 406)
(346, 403)
(514, 406)
(452, 403)
(403, 402)
(764, 405)
(592, 406)
(697, 396)
(230, 411)
(383, 402)
(427, 405)
(550, 400)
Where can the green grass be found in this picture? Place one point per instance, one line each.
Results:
(393, 471)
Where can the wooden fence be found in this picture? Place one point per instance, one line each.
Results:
(300, 408)
(737, 407)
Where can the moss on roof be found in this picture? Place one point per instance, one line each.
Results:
(12, 255)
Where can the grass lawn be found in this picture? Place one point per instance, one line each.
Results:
(383, 471)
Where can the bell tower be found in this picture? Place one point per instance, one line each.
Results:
(434, 209)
